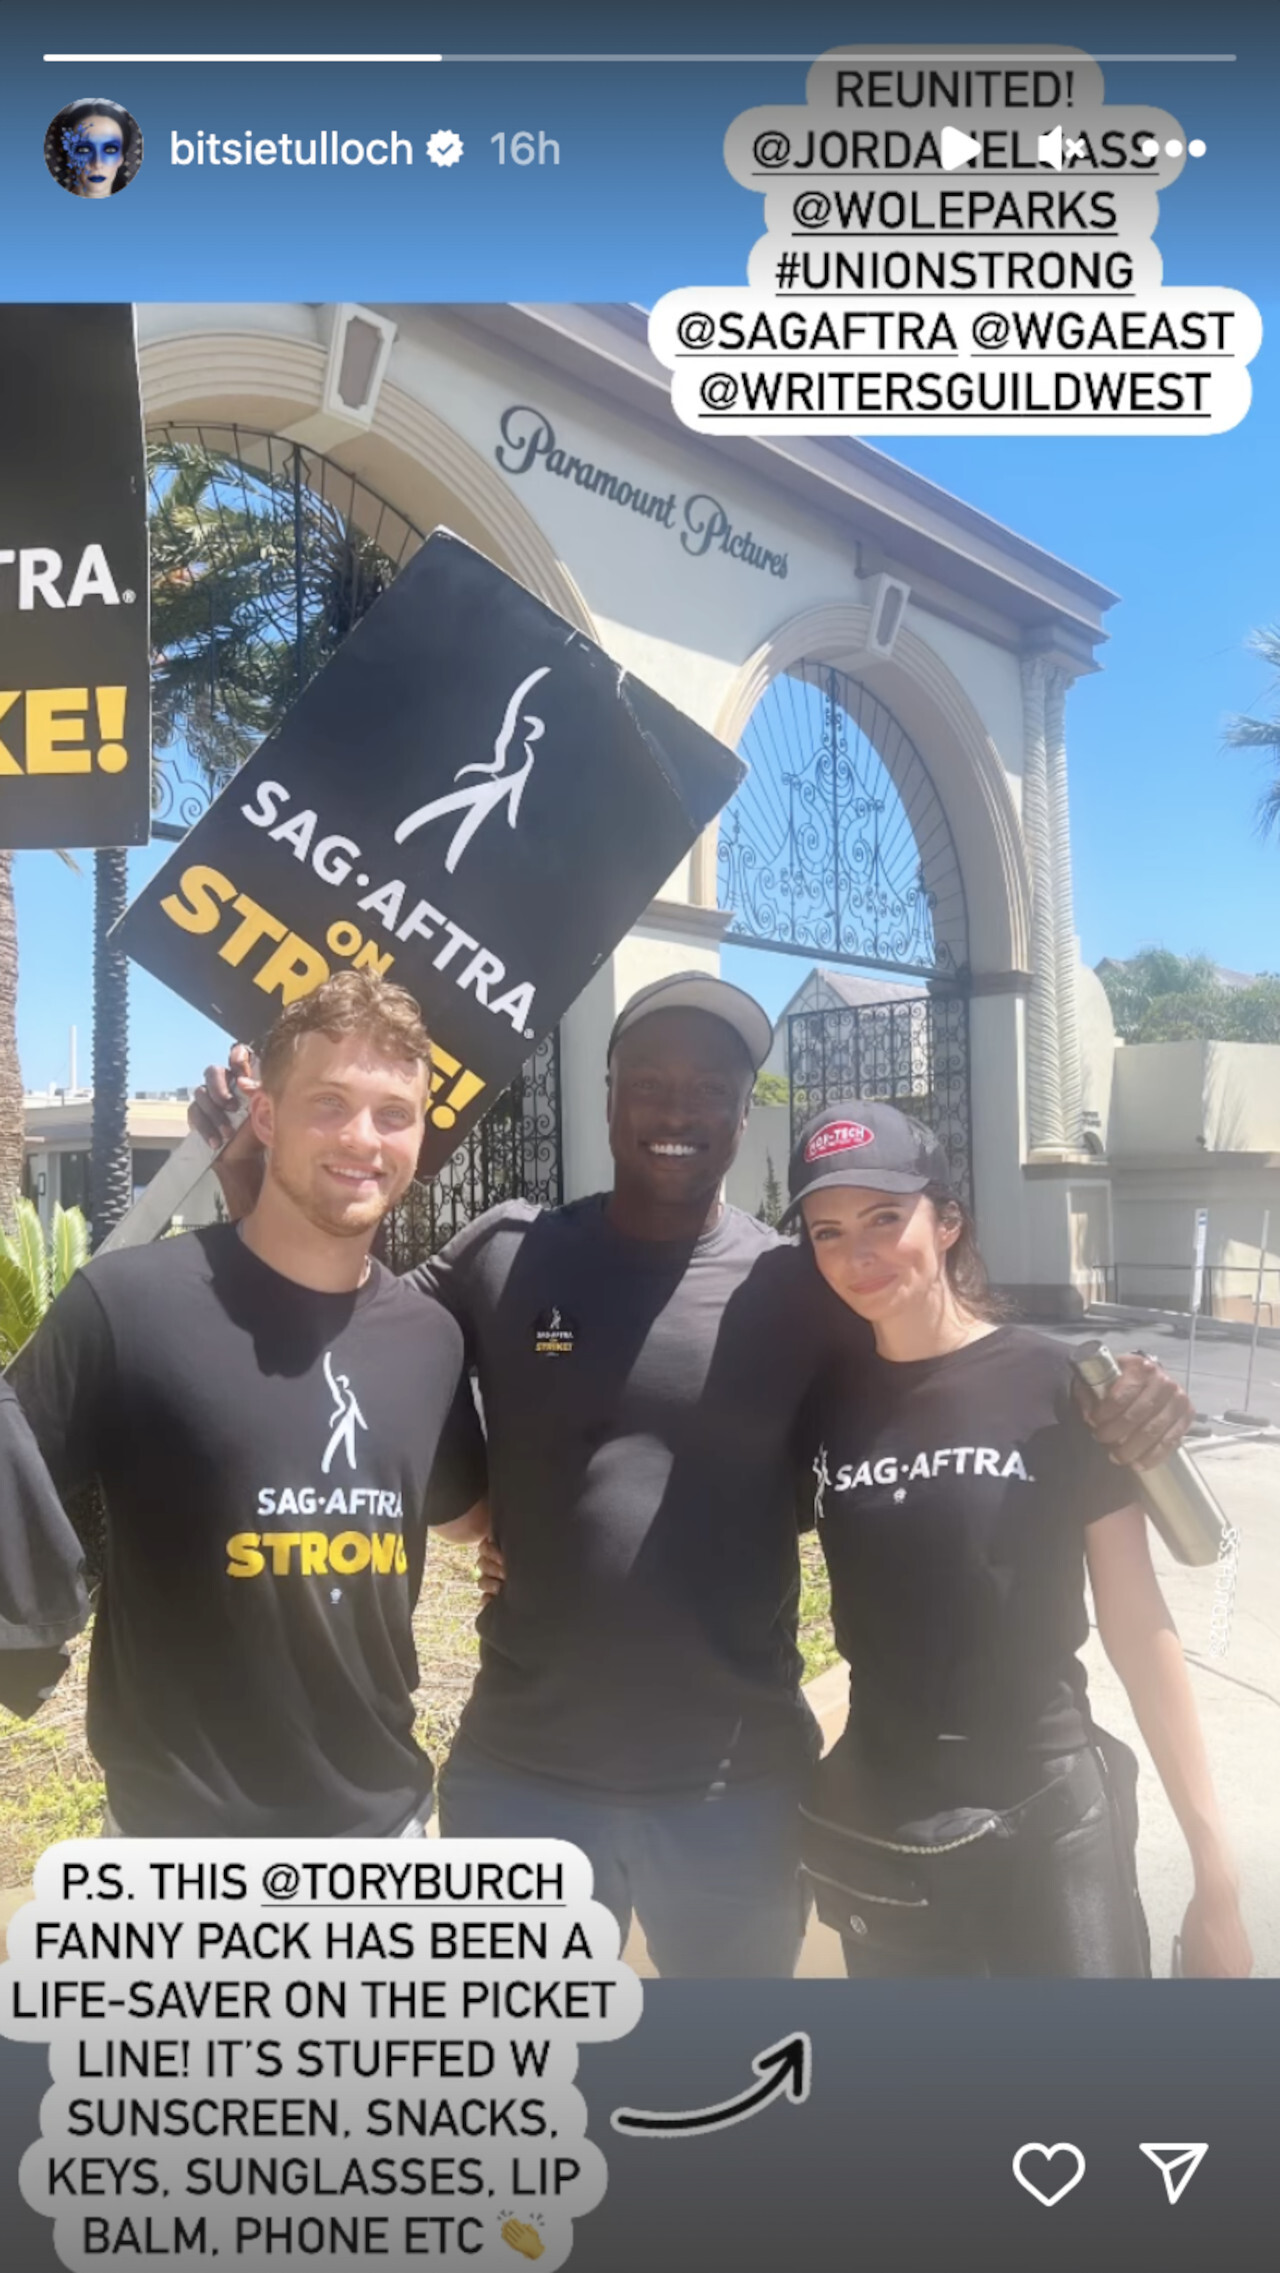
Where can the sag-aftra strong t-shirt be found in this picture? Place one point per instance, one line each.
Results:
(265, 1452)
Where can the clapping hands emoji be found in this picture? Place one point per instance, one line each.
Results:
(519, 2236)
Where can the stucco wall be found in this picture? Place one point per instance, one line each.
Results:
(1154, 1229)
(1097, 1054)
(1158, 1101)
(1242, 1097)
(683, 622)
(1173, 1100)
(767, 1137)
(991, 677)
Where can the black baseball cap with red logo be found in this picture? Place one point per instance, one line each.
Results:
(860, 1143)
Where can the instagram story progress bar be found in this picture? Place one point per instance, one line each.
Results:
(808, 55)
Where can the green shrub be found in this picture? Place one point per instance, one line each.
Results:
(32, 1274)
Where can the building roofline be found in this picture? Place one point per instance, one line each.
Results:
(918, 524)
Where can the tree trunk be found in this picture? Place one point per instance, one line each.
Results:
(112, 1171)
(12, 1124)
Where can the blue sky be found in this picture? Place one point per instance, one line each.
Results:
(1184, 530)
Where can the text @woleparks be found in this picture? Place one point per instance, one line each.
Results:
(256, 2057)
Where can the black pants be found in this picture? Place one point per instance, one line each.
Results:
(1063, 1906)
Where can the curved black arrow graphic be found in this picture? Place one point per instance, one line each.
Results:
(786, 2067)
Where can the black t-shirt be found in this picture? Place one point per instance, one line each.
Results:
(952, 1497)
(641, 1402)
(265, 1453)
(42, 1592)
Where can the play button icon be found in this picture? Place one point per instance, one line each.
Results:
(958, 148)
(1176, 2163)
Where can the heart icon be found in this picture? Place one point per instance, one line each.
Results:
(1048, 2155)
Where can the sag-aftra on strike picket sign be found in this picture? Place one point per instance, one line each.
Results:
(472, 798)
(75, 731)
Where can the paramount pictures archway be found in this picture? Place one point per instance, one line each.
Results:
(966, 695)
(837, 850)
(265, 554)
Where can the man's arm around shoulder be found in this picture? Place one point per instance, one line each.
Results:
(454, 1276)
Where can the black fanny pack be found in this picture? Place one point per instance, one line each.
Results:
(915, 1888)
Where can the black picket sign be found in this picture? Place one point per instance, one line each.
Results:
(472, 798)
(75, 676)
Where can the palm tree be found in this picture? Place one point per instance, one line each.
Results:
(1154, 974)
(111, 1166)
(256, 578)
(1263, 733)
(12, 1117)
(12, 1129)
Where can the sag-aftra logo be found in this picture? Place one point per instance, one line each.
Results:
(36, 575)
(323, 1554)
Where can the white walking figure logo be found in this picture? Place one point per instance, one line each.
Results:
(823, 1474)
(345, 1418)
(476, 803)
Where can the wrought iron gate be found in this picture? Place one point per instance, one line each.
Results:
(263, 557)
(837, 849)
(911, 1054)
(514, 1154)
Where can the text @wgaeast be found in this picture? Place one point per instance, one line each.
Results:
(258, 2055)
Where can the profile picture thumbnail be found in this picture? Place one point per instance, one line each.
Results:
(93, 148)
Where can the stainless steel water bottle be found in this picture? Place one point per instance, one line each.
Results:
(1177, 1498)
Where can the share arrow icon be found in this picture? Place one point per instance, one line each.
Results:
(1177, 2164)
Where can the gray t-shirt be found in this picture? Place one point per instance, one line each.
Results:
(642, 1402)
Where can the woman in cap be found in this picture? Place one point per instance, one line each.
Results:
(973, 1819)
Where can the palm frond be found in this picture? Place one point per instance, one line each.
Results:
(1266, 643)
(1245, 733)
(227, 550)
(68, 1246)
(1269, 809)
(20, 1307)
(1253, 734)
(24, 1248)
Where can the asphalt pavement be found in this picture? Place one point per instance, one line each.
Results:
(1238, 1696)
(1219, 1365)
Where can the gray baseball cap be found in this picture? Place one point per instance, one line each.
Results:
(698, 990)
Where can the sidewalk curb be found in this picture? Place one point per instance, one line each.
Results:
(1179, 1322)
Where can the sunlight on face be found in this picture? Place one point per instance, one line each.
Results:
(883, 1253)
(343, 1132)
(679, 1089)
